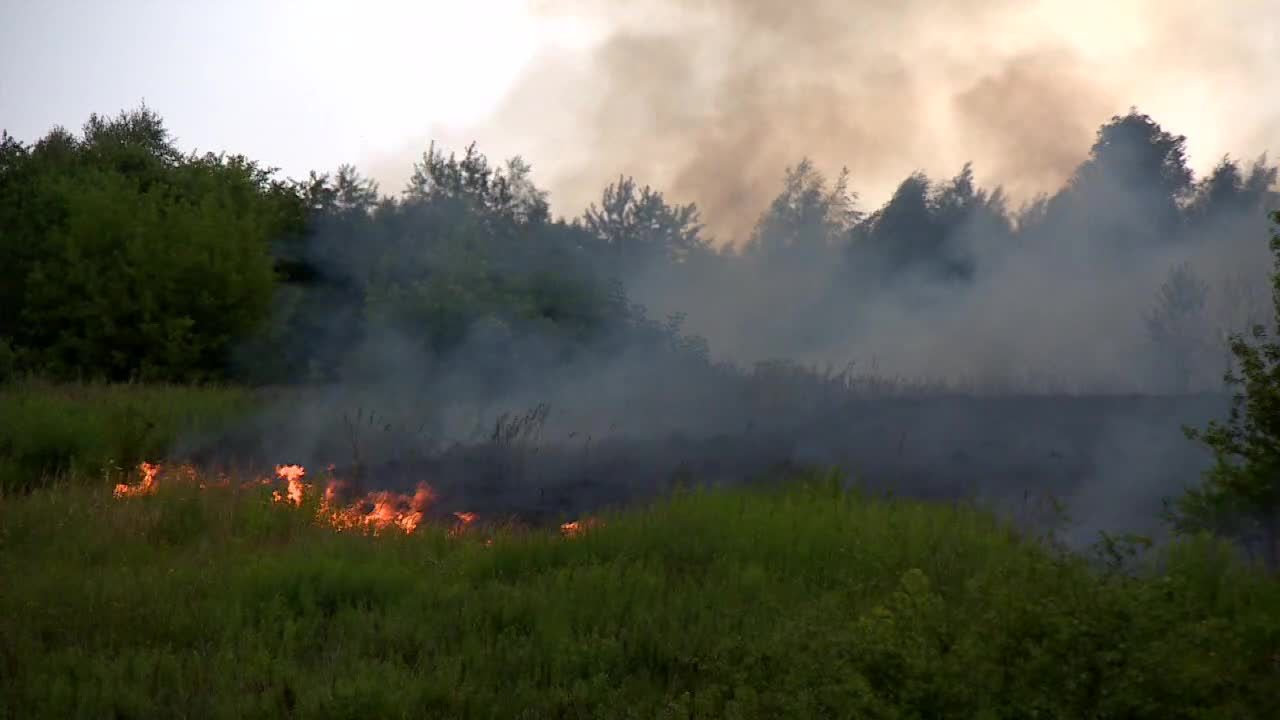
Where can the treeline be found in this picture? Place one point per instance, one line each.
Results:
(127, 259)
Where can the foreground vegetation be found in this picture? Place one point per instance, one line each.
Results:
(97, 433)
(805, 602)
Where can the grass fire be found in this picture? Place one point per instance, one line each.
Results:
(376, 512)
(824, 359)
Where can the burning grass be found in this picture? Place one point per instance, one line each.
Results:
(333, 508)
(804, 602)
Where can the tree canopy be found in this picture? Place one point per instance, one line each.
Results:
(128, 258)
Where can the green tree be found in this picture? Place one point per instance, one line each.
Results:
(506, 192)
(808, 217)
(143, 284)
(125, 258)
(635, 227)
(1177, 325)
(936, 229)
(1240, 495)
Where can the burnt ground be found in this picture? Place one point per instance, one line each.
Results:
(1110, 459)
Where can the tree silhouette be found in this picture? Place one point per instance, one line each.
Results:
(1176, 326)
(636, 227)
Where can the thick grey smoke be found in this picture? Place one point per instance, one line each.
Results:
(996, 352)
(711, 99)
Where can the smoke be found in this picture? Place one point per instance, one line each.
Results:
(995, 350)
(711, 99)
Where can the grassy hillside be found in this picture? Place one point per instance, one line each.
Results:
(805, 602)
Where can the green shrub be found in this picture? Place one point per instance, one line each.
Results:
(1240, 496)
(125, 259)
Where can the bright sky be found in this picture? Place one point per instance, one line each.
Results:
(299, 84)
(311, 84)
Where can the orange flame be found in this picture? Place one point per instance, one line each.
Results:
(577, 527)
(146, 486)
(291, 474)
(375, 512)
(390, 509)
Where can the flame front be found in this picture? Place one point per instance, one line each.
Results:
(374, 512)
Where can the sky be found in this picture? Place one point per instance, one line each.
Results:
(707, 99)
(298, 85)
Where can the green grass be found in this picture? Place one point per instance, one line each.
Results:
(93, 431)
(804, 602)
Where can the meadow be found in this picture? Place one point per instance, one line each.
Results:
(98, 432)
(801, 598)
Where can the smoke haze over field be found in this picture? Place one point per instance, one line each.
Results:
(710, 100)
(1043, 319)
(993, 334)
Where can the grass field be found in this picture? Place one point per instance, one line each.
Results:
(97, 433)
(804, 601)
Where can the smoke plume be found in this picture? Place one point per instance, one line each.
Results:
(1000, 344)
(711, 99)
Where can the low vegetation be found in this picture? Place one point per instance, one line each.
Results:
(97, 433)
(808, 601)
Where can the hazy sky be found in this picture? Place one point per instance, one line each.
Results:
(708, 99)
(300, 85)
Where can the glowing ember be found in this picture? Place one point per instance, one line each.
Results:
(464, 519)
(221, 482)
(146, 486)
(577, 527)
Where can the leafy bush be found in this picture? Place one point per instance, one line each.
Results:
(125, 259)
(1241, 493)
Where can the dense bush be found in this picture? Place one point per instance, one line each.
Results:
(125, 259)
(1241, 493)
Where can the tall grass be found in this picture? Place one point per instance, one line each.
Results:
(807, 601)
(96, 432)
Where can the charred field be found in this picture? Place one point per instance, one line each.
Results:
(997, 450)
